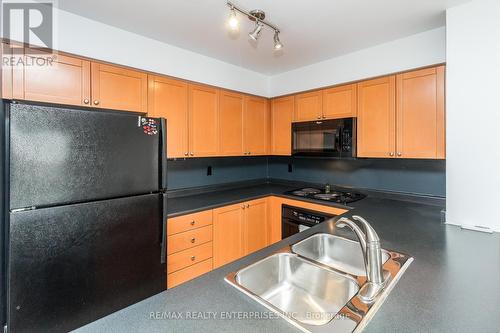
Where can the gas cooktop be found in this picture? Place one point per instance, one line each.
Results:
(342, 197)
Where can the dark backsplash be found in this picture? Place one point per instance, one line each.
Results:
(426, 177)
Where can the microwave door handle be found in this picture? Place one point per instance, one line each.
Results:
(338, 139)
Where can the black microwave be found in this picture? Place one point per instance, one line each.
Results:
(325, 138)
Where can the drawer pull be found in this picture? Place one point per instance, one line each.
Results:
(193, 222)
(193, 240)
(193, 258)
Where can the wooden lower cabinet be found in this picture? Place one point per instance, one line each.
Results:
(189, 273)
(228, 234)
(256, 225)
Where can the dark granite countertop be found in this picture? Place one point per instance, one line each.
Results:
(452, 286)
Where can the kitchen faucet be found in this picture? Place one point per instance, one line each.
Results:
(372, 255)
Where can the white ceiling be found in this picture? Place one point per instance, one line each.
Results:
(311, 30)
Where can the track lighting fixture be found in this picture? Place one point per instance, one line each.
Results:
(255, 34)
(258, 16)
(233, 22)
(277, 43)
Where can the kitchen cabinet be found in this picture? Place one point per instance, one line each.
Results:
(203, 120)
(255, 126)
(6, 75)
(256, 225)
(230, 123)
(376, 118)
(281, 125)
(168, 98)
(119, 88)
(420, 119)
(402, 116)
(189, 247)
(308, 106)
(340, 102)
(61, 80)
(228, 229)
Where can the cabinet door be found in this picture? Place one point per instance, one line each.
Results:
(420, 114)
(61, 80)
(308, 106)
(376, 117)
(6, 75)
(228, 230)
(281, 125)
(203, 121)
(230, 124)
(119, 88)
(255, 125)
(168, 99)
(340, 102)
(256, 225)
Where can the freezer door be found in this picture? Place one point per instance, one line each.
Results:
(70, 265)
(60, 155)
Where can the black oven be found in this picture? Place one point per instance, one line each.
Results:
(329, 138)
(295, 220)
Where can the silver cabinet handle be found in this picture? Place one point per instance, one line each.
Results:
(391, 154)
(319, 117)
(193, 258)
(192, 222)
(86, 101)
(96, 102)
(399, 154)
(248, 206)
(192, 154)
(242, 206)
(249, 153)
(186, 154)
(193, 240)
(323, 117)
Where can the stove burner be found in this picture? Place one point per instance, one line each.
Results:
(310, 190)
(327, 196)
(300, 193)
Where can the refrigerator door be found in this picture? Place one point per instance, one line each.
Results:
(60, 155)
(70, 265)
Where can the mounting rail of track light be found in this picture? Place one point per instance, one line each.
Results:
(258, 16)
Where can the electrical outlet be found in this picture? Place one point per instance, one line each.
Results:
(209, 170)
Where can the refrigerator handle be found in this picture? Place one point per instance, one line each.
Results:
(163, 228)
(163, 184)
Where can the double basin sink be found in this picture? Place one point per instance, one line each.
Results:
(314, 283)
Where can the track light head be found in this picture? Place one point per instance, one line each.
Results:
(277, 43)
(255, 34)
(233, 22)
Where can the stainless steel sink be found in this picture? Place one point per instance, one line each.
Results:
(337, 252)
(313, 295)
(315, 284)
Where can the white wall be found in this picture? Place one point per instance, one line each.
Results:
(473, 114)
(415, 51)
(82, 36)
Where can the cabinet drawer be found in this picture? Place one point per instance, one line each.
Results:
(188, 239)
(188, 222)
(189, 273)
(189, 257)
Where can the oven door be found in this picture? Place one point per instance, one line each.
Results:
(290, 227)
(330, 138)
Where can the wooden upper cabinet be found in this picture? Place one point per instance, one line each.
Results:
(63, 80)
(168, 98)
(228, 234)
(255, 125)
(119, 88)
(376, 118)
(340, 102)
(308, 106)
(203, 121)
(256, 225)
(230, 123)
(420, 114)
(281, 125)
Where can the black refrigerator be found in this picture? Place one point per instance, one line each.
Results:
(83, 206)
